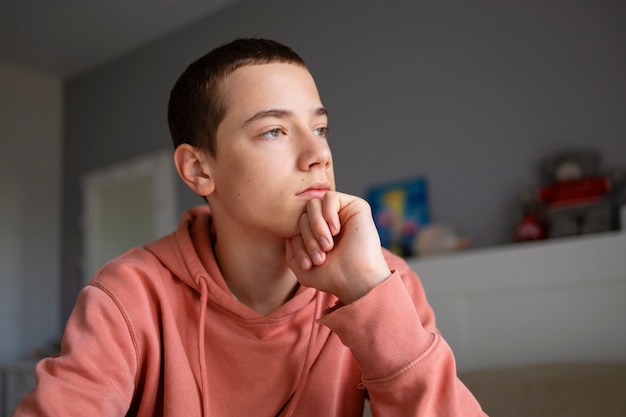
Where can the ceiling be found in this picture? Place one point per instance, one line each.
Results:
(66, 37)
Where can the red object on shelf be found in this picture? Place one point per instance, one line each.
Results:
(577, 192)
(530, 227)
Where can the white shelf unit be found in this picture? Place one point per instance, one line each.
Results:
(557, 300)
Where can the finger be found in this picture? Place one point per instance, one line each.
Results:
(296, 254)
(331, 205)
(319, 225)
(309, 240)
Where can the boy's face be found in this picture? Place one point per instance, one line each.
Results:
(272, 151)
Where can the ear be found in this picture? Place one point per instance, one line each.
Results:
(193, 166)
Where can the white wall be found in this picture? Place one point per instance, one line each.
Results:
(30, 201)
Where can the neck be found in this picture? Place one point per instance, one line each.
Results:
(256, 274)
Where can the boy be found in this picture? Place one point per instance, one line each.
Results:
(276, 299)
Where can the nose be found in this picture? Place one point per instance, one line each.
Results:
(314, 152)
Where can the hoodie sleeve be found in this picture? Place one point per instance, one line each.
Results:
(94, 374)
(408, 368)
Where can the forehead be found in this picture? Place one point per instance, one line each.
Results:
(275, 85)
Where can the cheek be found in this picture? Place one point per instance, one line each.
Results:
(257, 172)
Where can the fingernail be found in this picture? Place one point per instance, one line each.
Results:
(324, 242)
(316, 256)
(305, 263)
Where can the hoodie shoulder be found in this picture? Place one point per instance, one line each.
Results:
(136, 267)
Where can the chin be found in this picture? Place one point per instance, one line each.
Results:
(290, 230)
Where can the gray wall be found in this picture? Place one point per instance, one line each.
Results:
(30, 210)
(468, 94)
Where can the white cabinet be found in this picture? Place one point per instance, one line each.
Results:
(550, 301)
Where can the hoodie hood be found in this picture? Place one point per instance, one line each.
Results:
(178, 252)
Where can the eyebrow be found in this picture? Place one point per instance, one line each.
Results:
(281, 114)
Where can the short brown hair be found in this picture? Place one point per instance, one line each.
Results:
(195, 108)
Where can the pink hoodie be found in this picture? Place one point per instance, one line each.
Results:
(158, 333)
